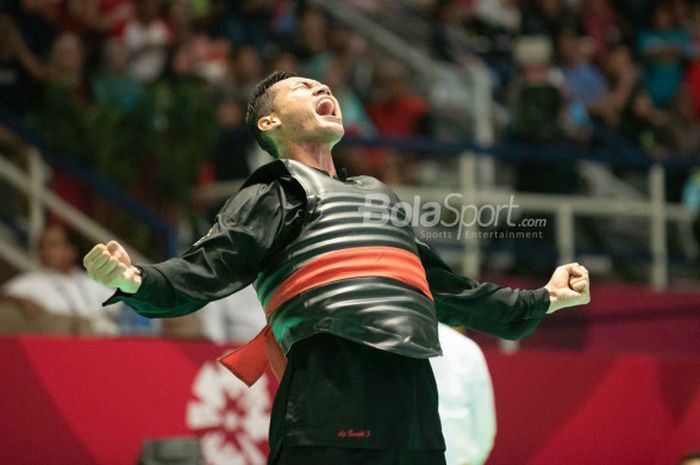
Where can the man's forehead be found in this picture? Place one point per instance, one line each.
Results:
(292, 81)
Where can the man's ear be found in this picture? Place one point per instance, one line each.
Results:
(269, 122)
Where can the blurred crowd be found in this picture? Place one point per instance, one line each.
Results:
(591, 71)
(124, 84)
(151, 93)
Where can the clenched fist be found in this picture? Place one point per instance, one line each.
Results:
(569, 286)
(110, 265)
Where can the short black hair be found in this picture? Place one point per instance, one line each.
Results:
(259, 105)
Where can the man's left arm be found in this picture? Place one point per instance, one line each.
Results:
(501, 311)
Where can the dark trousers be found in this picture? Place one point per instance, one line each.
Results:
(311, 455)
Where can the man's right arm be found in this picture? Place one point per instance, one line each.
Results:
(228, 258)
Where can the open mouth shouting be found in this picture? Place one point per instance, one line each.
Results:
(327, 107)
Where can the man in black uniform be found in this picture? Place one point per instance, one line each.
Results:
(352, 305)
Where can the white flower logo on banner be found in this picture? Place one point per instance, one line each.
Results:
(231, 419)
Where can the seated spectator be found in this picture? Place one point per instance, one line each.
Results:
(146, 36)
(36, 22)
(683, 125)
(60, 287)
(502, 14)
(234, 142)
(66, 65)
(536, 97)
(693, 73)
(663, 49)
(584, 82)
(623, 78)
(599, 23)
(113, 85)
(394, 108)
(548, 17)
(645, 124)
(19, 67)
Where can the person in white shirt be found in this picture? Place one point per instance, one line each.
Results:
(237, 318)
(146, 35)
(466, 402)
(60, 286)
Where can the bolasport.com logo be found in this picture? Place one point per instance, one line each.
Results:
(230, 419)
(453, 218)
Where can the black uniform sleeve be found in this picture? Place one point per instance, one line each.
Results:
(501, 311)
(251, 225)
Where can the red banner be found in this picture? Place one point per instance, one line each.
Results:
(92, 401)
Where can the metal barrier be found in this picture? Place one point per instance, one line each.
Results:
(41, 199)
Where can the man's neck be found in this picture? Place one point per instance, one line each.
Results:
(313, 154)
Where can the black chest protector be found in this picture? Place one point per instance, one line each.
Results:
(353, 271)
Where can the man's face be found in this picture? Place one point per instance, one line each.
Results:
(305, 111)
(55, 251)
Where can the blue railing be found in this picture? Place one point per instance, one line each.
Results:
(95, 181)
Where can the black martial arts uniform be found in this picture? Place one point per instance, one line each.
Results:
(341, 400)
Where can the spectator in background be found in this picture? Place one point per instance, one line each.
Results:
(245, 70)
(114, 15)
(19, 69)
(585, 83)
(355, 117)
(663, 49)
(146, 36)
(599, 23)
(502, 14)
(394, 108)
(113, 85)
(36, 21)
(693, 74)
(60, 287)
(623, 78)
(66, 66)
(244, 21)
(311, 36)
(683, 125)
(645, 124)
(466, 404)
(81, 17)
(548, 17)
(234, 142)
(237, 318)
(535, 96)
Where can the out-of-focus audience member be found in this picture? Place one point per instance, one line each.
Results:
(623, 79)
(467, 408)
(146, 35)
(584, 82)
(113, 85)
(663, 49)
(683, 125)
(395, 109)
(66, 63)
(645, 124)
(599, 22)
(237, 318)
(19, 69)
(230, 159)
(548, 17)
(535, 96)
(60, 287)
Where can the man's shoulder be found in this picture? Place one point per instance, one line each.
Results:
(266, 174)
